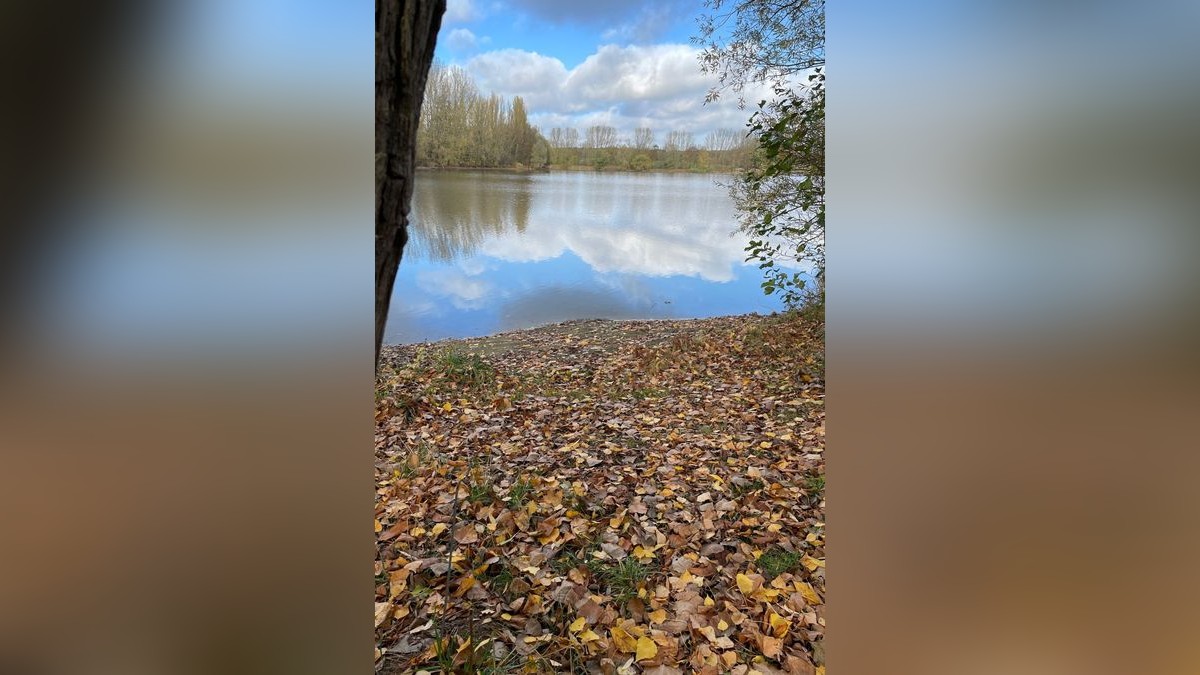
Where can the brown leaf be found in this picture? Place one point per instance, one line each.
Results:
(466, 534)
(771, 647)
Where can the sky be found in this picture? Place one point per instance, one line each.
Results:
(622, 63)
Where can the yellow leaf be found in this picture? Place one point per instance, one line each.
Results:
(658, 616)
(766, 594)
(722, 624)
(378, 526)
(779, 625)
(589, 636)
(646, 649)
(810, 595)
(417, 531)
(447, 407)
(464, 586)
(820, 670)
(745, 584)
(578, 624)
(765, 444)
(437, 529)
(812, 563)
(623, 640)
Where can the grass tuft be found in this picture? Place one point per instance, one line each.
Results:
(479, 493)
(622, 579)
(519, 493)
(468, 369)
(776, 561)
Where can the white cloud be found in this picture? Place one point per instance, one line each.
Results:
(659, 86)
(461, 40)
(514, 72)
(634, 73)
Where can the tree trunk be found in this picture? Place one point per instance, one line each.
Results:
(405, 36)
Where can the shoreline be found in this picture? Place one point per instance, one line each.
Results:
(570, 326)
(573, 169)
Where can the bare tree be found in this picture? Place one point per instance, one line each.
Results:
(601, 137)
(724, 140)
(643, 137)
(679, 140)
(405, 37)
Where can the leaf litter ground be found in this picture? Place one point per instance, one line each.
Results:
(604, 497)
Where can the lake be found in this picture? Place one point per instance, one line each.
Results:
(494, 251)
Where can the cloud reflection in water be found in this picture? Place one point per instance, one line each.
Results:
(494, 251)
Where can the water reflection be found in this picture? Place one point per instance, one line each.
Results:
(495, 251)
(455, 212)
(563, 303)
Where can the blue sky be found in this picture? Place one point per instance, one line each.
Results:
(623, 63)
(568, 31)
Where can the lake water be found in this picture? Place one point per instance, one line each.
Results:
(493, 251)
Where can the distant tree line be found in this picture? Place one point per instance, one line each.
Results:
(602, 147)
(462, 127)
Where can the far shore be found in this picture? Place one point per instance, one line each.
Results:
(553, 169)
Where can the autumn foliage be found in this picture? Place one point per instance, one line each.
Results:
(604, 497)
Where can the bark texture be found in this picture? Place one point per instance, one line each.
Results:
(405, 36)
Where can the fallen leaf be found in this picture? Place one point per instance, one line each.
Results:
(746, 585)
(771, 647)
(381, 612)
(810, 595)
(623, 640)
(465, 534)
(779, 625)
(646, 649)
